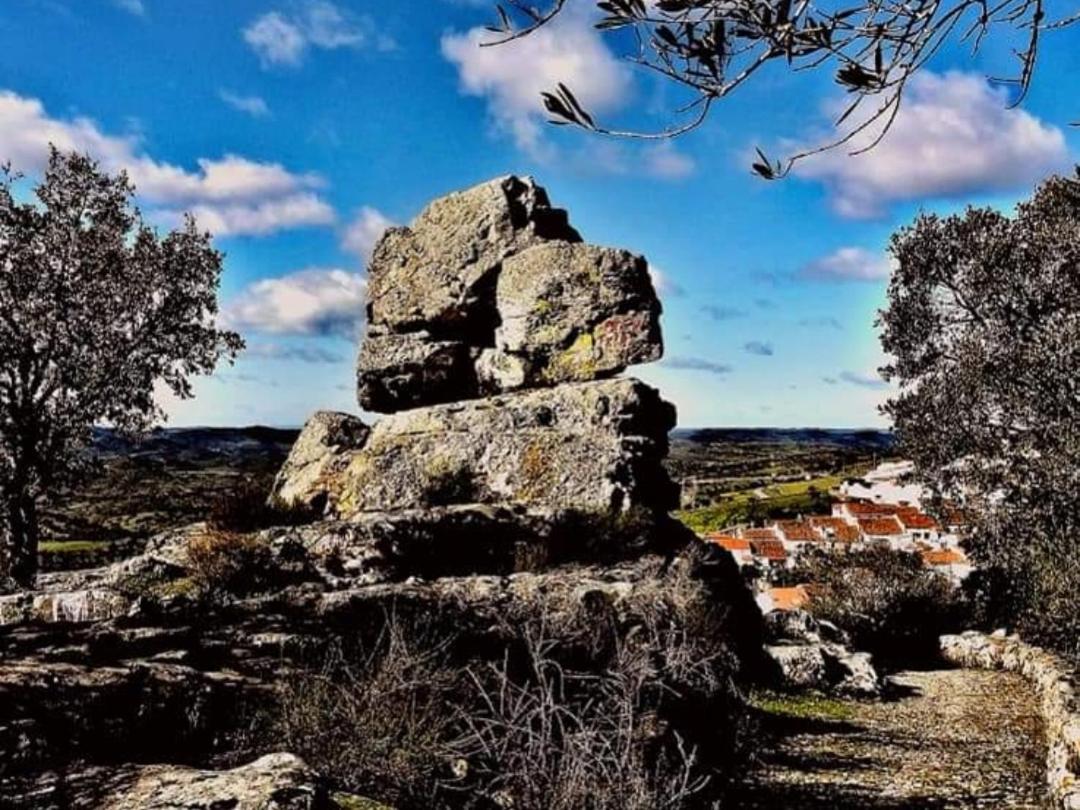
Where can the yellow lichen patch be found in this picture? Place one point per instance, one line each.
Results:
(537, 472)
(578, 362)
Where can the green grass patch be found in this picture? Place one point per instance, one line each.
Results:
(802, 706)
(71, 546)
(765, 503)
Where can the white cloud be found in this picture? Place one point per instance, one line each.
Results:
(955, 135)
(231, 194)
(667, 162)
(512, 76)
(276, 40)
(361, 235)
(132, 6)
(316, 301)
(259, 218)
(663, 283)
(254, 106)
(280, 40)
(848, 264)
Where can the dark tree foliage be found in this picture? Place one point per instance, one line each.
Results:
(983, 323)
(95, 310)
(713, 47)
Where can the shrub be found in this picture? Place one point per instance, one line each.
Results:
(552, 710)
(228, 562)
(890, 603)
(246, 508)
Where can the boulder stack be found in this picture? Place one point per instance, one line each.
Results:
(494, 336)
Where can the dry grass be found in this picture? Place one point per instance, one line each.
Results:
(585, 710)
(227, 562)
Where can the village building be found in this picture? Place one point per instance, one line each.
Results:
(738, 547)
(794, 598)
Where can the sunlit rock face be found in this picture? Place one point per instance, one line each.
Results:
(494, 341)
(490, 290)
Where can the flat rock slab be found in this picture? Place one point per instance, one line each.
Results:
(956, 739)
(588, 446)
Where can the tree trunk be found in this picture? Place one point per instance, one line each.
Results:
(19, 557)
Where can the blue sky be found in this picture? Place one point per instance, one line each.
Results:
(297, 129)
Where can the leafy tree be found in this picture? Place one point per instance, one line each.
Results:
(983, 323)
(95, 310)
(711, 48)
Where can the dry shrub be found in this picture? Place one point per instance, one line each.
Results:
(246, 507)
(228, 562)
(890, 603)
(605, 707)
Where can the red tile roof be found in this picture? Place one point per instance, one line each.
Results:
(881, 526)
(945, 556)
(865, 509)
(789, 598)
(729, 542)
(912, 518)
(796, 531)
(769, 549)
(848, 534)
(760, 534)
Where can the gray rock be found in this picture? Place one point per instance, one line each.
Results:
(851, 673)
(315, 457)
(588, 446)
(809, 653)
(396, 372)
(272, 782)
(798, 666)
(438, 272)
(572, 312)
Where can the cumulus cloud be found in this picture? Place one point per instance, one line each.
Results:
(280, 39)
(697, 364)
(365, 230)
(760, 348)
(666, 162)
(848, 264)
(254, 106)
(663, 283)
(314, 302)
(230, 195)
(864, 380)
(954, 136)
(720, 313)
(512, 76)
(300, 354)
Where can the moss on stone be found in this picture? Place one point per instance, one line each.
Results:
(577, 362)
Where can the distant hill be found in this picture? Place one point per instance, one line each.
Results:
(197, 445)
(861, 439)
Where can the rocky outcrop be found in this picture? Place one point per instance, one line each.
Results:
(490, 291)
(591, 446)
(437, 272)
(1054, 684)
(492, 330)
(272, 782)
(808, 654)
(318, 450)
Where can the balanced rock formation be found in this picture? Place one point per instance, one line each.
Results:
(490, 290)
(493, 332)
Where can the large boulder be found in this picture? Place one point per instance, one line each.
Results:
(319, 449)
(437, 273)
(395, 372)
(586, 446)
(571, 312)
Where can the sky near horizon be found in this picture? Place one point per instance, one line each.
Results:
(296, 130)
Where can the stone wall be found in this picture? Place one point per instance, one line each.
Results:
(1053, 682)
